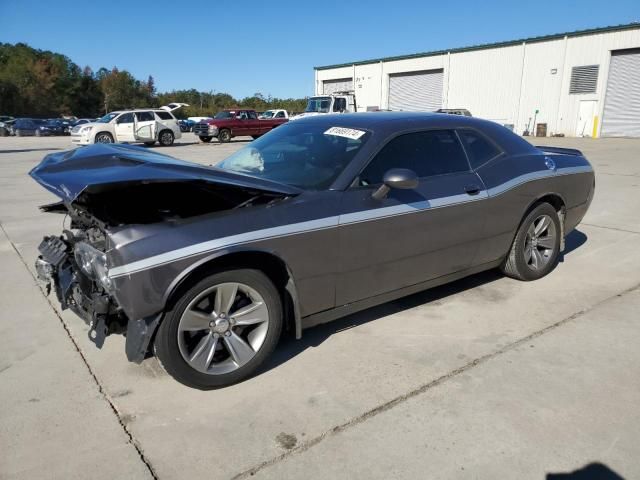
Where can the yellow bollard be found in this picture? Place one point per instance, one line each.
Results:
(594, 134)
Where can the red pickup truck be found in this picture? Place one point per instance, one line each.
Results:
(235, 123)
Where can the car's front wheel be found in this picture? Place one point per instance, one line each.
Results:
(205, 139)
(536, 246)
(220, 330)
(224, 136)
(103, 137)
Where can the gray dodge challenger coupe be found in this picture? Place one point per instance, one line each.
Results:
(320, 218)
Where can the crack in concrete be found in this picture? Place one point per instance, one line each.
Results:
(132, 440)
(301, 448)
(619, 174)
(610, 228)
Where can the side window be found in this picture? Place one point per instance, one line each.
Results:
(339, 104)
(145, 116)
(125, 118)
(479, 148)
(164, 115)
(242, 115)
(280, 115)
(253, 115)
(430, 153)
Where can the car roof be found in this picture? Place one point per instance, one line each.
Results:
(152, 109)
(385, 124)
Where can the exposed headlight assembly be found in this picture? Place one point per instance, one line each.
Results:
(85, 129)
(93, 263)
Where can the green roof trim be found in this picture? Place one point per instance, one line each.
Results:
(484, 46)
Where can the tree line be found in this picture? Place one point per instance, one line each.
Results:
(39, 83)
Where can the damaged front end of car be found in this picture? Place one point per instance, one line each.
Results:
(115, 197)
(77, 272)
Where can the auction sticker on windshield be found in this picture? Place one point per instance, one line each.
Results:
(351, 133)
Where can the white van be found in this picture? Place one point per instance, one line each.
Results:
(142, 125)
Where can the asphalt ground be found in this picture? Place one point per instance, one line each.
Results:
(483, 378)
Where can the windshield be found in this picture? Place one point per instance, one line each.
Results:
(309, 157)
(223, 115)
(107, 118)
(268, 114)
(319, 104)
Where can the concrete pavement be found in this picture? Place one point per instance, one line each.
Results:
(424, 386)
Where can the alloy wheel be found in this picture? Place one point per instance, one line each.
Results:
(223, 328)
(104, 138)
(540, 242)
(166, 138)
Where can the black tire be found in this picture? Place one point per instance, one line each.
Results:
(4, 132)
(205, 139)
(255, 136)
(18, 133)
(516, 264)
(103, 137)
(149, 144)
(166, 138)
(166, 343)
(224, 135)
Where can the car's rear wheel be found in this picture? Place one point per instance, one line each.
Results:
(255, 136)
(103, 137)
(224, 136)
(221, 329)
(166, 138)
(536, 246)
(205, 139)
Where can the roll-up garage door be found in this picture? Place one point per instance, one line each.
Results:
(621, 117)
(416, 91)
(339, 85)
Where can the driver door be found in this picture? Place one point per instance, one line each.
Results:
(146, 127)
(124, 128)
(241, 126)
(410, 236)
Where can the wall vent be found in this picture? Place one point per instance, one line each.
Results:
(584, 79)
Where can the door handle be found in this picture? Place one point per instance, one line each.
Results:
(472, 189)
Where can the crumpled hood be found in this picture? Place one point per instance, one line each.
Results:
(101, 166)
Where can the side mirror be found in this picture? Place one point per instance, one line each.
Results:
(400, 178)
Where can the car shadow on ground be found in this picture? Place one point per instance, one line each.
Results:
(289, 347)
(593, 471)
(574, 240)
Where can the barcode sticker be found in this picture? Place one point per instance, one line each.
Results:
(345, 132)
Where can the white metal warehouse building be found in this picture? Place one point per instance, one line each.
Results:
(583, 83)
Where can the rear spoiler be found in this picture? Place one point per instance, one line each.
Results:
(560, 151)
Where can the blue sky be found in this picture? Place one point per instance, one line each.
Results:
(248, 46)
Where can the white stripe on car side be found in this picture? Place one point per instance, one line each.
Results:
(334, 221)
(222, 242)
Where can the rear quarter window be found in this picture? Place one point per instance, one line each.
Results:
(165, 115)
(479, 148)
